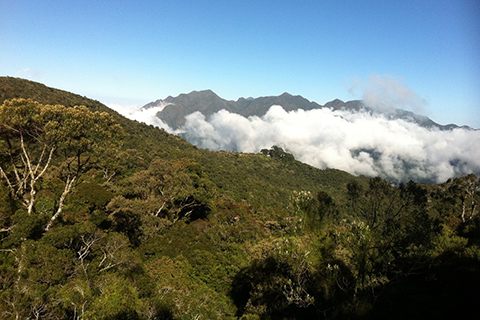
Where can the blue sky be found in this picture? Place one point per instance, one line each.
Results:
(134, 52)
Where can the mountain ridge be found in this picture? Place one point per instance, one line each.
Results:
(175, 109)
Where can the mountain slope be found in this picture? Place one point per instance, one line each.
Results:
(11, 88)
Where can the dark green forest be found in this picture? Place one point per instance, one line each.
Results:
(102, 217)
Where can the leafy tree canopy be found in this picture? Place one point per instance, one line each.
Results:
(34, 135)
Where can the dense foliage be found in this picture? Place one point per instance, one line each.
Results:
(158, 229)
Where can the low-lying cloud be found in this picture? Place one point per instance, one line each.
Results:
(148, 116)
(360, 143)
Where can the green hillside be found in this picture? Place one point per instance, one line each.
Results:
(102, 217)
(271, 181)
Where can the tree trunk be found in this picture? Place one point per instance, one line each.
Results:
(66, 191)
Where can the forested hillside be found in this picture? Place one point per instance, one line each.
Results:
(106, 218)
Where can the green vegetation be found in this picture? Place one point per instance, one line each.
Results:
(153, 228)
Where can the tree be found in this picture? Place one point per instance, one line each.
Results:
(398, 223)
(279, 283)
(171, 190)
(33, 135)
(21, 127)
(464, 189)
(278, 153)
(83, 138)
(354, 192)
(314, 210)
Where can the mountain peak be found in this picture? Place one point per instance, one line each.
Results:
(199, 94)
(205, 92)
(335, 104)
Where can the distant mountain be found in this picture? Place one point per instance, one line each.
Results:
(173, 110)
(358, 105)
(207, 102)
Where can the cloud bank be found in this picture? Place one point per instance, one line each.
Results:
(360, 143)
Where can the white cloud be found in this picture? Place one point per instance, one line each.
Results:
(387, 92)
(359, 143)
(147, 116)
(30, 73)
(124, 109)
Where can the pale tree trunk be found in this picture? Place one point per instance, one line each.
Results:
(474, 209)
(68, 188)
(9, 184)
(33, 172)
(27, 178)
